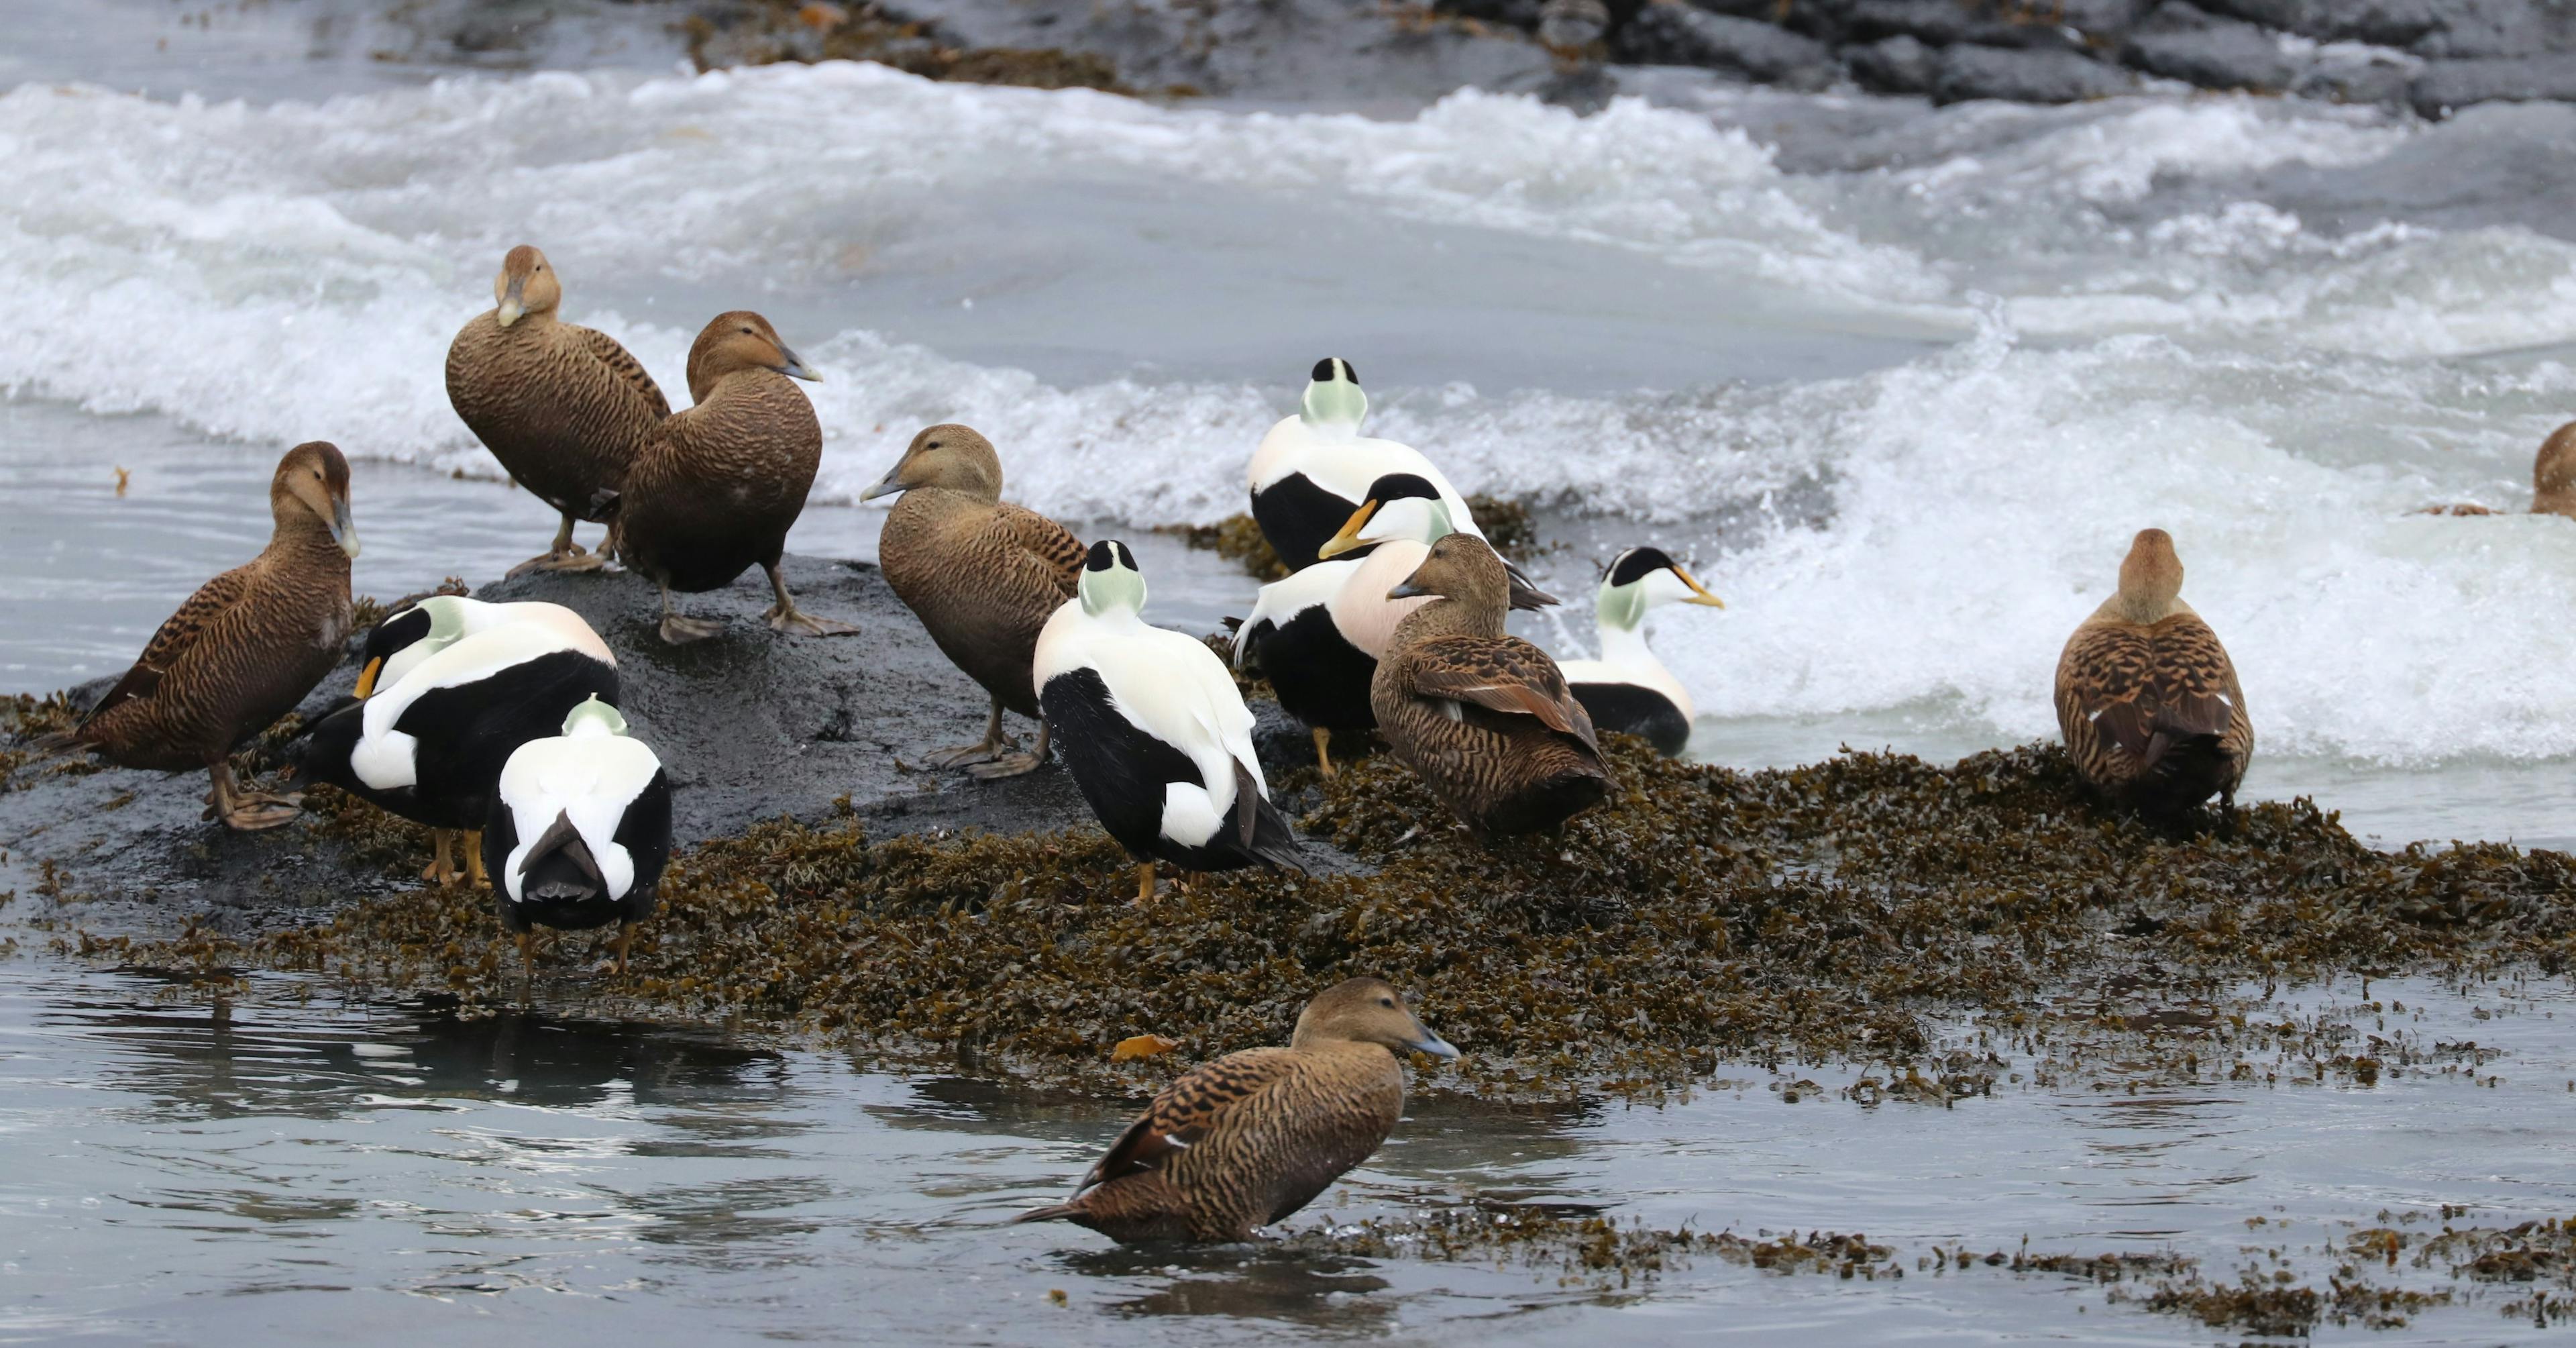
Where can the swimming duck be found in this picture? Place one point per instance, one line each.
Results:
(1154, 731)
(1252, 1137)
(714, 489)
(1317, 634)
(2146, 695)
(431, 747)
(983, 575)
(1313, 469)
(1628, 689)
(1485, 718)
(2553, 474)
(579, 830)
(243, 650)
(564, 408)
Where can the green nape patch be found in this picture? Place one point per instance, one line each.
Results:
(1701, 915)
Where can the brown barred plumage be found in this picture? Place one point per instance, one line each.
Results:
(2146, 696)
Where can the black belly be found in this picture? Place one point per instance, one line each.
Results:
(466, 734)
(1632, 710)
(1121, 771)
(1298, 517)
(1321, 678)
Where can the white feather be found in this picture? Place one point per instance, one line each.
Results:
(384, 757)
(1345, 463)
(1171, 687)
(477, 617)
(591, 777)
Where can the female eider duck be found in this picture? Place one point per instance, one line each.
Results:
(1313, 469)
(579, 830)
(2146, 695)
(1485, 718)
(981, 574)
(1317, 635)
(1628, 689)
(1247, 1140)
(2553, 480)
(715, 489)
(243, 650)
(564, 408)
(431, 747)
(1154, 731)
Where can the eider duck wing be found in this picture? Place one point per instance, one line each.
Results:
(2144, 689)
(1048, 541)
(623, 364)
(178, 633)
(1189, 1110)
(1503, 674)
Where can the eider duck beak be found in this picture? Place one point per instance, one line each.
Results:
(367, 677)
(343, 532)
(1408, 590)
(1435, 1046)
(1349, 537)
(795, 368)
(513, 303)
(1698, 593)
(888, 485)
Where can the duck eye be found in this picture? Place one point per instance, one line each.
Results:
(1386, 1001)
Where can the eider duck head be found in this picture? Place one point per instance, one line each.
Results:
(1333, 398)
(739, 341)
(1366, 1011)
(2553, 474)
(953, 457)
(313, 480)
(525, 286)
(1111, 585)
(421, 630)
(592, 719)
(1399, 506)
(1463, 568)
(1643, 578)
(2150, 577)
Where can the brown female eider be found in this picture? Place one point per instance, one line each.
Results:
(983, 576)
(244, 649)
(716, 488)
(1486, 718)
(1249, 1139)
(2146, 695)
(564, 408)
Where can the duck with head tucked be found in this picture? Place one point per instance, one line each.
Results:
(982, 574)
(563, 407)
(1628, 689)
(1247, 1140)
(2146, 695)
(716, 488)
(243, 650)
(1484, 717)
(579, 830)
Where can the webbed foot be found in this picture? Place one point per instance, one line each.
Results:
(679, 631)
(797, 620)
(1005, 765)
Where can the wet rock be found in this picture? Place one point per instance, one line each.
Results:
(2027, 76)
(2446, 85)
(1665, 33)
(2181, 42)
(1897, 65)
(2358, 75)
(1946, 22)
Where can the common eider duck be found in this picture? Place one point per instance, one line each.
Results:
(1154, 731)
(2146, 695)
(982, 574)
(243, 650)
(1317, 634)
(715, 489)
(418, 630)
(579, 830)
(563, 407)
(1628, 689)
(1485, 718)
(1245, 1141)
(430, 747)
(1313, 469)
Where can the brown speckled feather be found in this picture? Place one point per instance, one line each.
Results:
(715, 488)
(564, 408)
(2152, 711)
(177, 633)
(983, 577)
(1490, 725)
(1504, 674)
(1048, 541)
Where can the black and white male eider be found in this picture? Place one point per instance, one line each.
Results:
(1317, 635)
(1154, 732)
(1628, 689)
(430, 746)
(1313, 469)
(419, 630)
(579, 830)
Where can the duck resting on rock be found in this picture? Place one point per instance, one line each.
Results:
(2146, 696)
(579, 830)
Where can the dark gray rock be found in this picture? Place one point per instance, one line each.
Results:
(1676, 34)
(1896, 65)
(1943, 23)
(2451, 84)
(2035, 75)
(2284, 14)
(2494, 28)
(2181, 42)
(2383, 79)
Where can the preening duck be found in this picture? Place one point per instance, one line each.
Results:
(579, 830)
(243, 650)
(1313, 469)
(431, 747)
(564, 408)
(2146, 695)
(1317, 634)
(419, 630)
(1628, 689)
(715, 489)
(982, 574)
(1154, 731)
(1247, 1140)
(1485, 718)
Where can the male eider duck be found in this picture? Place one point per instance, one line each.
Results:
(1628, 689)
(1317, 635)
(2146, 695)
(243, 650)
(715, 489)
(983, 575)
(1313, 469)
(564, 408)
(1485, 718)
(1154, 731)
(579, 830)
(1247, 1140)
(431, 747)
